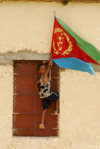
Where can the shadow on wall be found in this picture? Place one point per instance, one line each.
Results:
(7, 58)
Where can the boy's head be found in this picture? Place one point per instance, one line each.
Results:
(41, 68)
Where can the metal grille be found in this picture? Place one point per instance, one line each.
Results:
(27, 106)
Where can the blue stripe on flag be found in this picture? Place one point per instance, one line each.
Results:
(75, 64)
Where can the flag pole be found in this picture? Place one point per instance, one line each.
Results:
(51, 43)
(54, 13)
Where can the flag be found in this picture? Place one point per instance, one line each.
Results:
(75, 64)
(69, 47)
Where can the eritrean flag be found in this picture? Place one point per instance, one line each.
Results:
(71, 51)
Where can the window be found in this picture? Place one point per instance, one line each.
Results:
(27, 107)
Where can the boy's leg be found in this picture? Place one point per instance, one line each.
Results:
(43, 116)
(55, 97)
(42, 120)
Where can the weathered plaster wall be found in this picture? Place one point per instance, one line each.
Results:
(28, 26)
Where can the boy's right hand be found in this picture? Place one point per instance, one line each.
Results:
(50, 62)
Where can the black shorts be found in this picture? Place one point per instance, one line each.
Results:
(46, 102)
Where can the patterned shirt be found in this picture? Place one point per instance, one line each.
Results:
(44, 90)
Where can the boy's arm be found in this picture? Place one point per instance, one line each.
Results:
(49, 66)
(36, 86)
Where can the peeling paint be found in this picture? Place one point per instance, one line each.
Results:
(9, 57)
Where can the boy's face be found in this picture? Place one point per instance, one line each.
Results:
(42, 69)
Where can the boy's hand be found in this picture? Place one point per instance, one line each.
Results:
(50, 62)
(36, 86)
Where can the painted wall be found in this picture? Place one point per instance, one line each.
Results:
(28, 26)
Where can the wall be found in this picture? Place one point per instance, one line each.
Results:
(27, 26)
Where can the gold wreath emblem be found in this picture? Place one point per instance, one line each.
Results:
(69, 49)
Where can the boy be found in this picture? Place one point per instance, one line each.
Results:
(45, 94)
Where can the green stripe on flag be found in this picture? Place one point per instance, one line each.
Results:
(88, 48)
